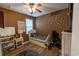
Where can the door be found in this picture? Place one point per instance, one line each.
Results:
(1, 19)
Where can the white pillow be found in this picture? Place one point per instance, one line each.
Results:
(10, 30)
(7, 31)
(3, 32)
(33, 31)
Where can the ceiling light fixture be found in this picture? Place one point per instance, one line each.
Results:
(34, 7)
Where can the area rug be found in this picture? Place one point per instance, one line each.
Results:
(28, 52)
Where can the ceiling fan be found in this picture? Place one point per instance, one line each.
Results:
(32, 7)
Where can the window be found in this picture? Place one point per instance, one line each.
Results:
(29, 25)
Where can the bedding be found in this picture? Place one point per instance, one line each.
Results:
(40, 40)
(7, 31)
(40, 37)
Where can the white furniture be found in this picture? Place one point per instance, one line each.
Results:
(66, 43)
(18, 41)
(5, 34)
(6, 44)
(39, 42)
(7, 31)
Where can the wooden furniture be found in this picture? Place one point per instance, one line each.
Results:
(66, 43)
(25, 37)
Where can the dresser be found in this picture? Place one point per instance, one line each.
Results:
(6, 44)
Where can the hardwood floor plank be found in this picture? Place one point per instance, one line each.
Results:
(42, 51)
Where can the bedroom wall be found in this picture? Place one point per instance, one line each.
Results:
(11, 18)
(54, 21)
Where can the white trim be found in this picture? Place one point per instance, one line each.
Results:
(26, 42)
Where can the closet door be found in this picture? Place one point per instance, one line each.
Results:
(1, 19)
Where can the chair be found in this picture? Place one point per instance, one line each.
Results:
(55, 40)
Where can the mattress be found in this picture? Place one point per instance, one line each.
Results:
(40, 40)
(40, 37)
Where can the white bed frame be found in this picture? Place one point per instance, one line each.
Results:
(39, 41)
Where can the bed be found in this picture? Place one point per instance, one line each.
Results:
(40, 40)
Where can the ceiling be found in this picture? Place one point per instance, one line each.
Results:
(46, 8)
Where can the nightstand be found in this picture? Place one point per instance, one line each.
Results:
(18, 42)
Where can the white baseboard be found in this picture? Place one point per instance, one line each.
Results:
(25, 42)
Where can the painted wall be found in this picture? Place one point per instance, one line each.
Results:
(54, 21)
(75, 31)
(11, 18)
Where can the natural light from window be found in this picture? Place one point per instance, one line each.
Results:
(29, 25)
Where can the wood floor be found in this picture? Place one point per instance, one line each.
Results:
(42, 51)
